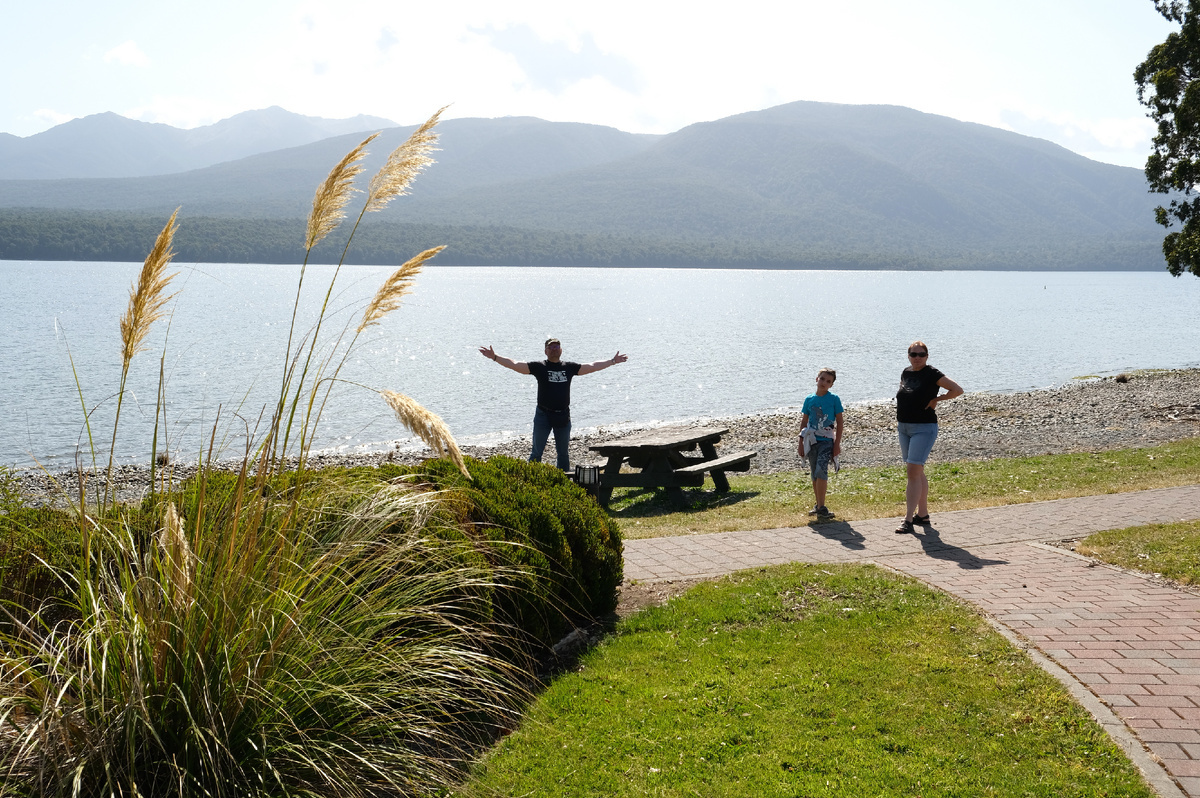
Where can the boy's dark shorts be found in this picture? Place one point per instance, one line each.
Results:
(818, 457)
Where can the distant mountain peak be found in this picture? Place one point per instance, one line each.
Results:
(107, 144)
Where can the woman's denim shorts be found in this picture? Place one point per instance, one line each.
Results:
(916, 441)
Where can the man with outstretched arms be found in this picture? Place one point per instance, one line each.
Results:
(553, 412)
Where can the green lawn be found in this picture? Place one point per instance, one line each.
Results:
(807, 681)
(781, 500)
(1171, 550)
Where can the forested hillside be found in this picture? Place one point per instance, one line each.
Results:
(804, 185)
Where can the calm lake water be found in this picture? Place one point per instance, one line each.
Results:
(700, 343)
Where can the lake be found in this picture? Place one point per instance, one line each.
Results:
(701, 342)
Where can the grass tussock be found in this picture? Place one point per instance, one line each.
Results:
(338, 652)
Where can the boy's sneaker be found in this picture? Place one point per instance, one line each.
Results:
(815, 510)
(824, 512)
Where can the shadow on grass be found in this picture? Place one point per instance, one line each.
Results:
(655, 502)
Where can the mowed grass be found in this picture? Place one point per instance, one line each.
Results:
(1170, 550)
(807, 681)
(783, 500)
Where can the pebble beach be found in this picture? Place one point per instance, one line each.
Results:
(1141, 408)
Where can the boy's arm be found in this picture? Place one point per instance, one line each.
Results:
(803, 426)
(837, 435)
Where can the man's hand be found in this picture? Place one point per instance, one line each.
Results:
(488, 352)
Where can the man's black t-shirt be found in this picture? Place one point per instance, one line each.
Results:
(917, 388)
(554, 384)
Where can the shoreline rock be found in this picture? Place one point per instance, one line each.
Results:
(1129, 410)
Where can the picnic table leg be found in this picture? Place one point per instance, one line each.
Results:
(661, 463)
(718, 477)
(611, 468)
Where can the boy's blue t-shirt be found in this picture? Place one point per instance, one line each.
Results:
(822, 412)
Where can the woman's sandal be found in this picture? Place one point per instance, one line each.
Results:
(922, 520)
(905, 528)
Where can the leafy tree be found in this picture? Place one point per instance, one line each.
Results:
(1168, 83)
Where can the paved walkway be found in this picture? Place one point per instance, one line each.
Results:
(1130, 641)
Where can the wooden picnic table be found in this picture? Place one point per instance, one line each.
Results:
(661, 455)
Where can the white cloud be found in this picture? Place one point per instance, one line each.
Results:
(127, 54)
(51, 117)
(555, 65)
(181, 111)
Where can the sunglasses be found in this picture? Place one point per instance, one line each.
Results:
(918, 354)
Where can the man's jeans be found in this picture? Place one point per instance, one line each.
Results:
(560, 423)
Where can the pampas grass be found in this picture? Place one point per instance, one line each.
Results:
(329, 203)
(180, 562)
(403, 166)
(392, 180)
(148, 296)
(427, 426)
(343, 659)
(395, 288)
(146, 301)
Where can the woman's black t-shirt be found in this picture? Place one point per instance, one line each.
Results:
(917, 388)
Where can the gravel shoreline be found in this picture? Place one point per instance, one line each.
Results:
(1139, 409)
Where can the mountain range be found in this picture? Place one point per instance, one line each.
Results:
(799, 185)
(108, 145)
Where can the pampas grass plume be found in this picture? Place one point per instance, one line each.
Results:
(332, 195)
(403, 165)
(146, 299)
(180, 561)
(395, 288)
(427, 426)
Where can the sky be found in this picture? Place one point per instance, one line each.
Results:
(1055, 69)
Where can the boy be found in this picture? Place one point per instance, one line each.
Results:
(821, 436)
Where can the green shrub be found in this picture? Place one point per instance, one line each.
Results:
(565, 547)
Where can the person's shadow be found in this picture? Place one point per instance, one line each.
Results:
(937, 548)
(840, 531)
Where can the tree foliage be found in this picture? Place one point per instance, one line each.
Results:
(1168, 83)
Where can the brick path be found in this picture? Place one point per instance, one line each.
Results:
(1130, 641)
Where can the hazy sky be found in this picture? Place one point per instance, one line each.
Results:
(1056, 69)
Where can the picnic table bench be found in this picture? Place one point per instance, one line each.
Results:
(663, 459)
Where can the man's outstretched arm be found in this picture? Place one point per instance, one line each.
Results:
(519, 367)
(588, 368)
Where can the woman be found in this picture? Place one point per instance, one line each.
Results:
(916, 403)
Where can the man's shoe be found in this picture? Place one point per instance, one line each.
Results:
(921, 520)
(905, 528)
